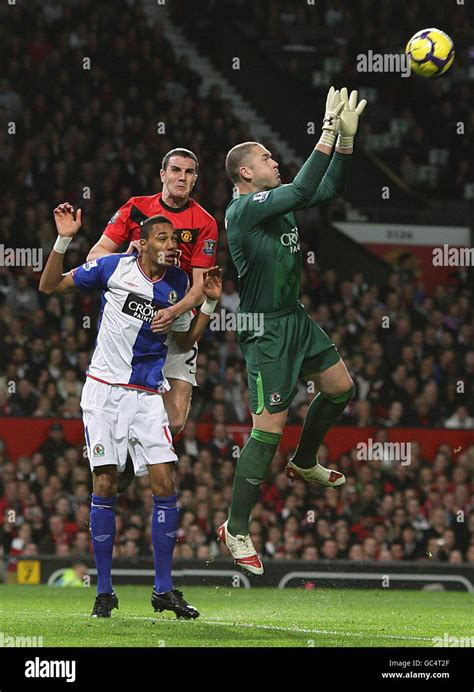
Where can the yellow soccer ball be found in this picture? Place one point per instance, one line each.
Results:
(431, 52)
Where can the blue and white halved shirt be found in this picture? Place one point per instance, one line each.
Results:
(127, 352)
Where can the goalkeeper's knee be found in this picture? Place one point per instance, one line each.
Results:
(341, 398)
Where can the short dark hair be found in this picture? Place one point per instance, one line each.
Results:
(235, 158)
(185, 153)
(146, 226)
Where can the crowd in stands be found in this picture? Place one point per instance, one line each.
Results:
(387, 511)
(89, 136)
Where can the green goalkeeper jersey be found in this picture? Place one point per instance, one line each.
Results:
(263, 236)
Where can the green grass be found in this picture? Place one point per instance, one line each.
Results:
(239, 617)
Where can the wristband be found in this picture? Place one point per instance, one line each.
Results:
(346, 142)
(328, 138)
(207, 308)
(61, 244)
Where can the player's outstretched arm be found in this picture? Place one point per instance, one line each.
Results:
(335, 179)
(115, 233)
(68, 222)
(105, 246)
(285, 198)
(212, 289)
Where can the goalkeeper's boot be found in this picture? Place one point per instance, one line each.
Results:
(316, 474)
(126, 477)
(242, 550)
(173, 600)
(104, 604)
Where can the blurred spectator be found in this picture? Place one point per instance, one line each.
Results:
(460, 419)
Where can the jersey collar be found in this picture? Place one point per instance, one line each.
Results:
(174, 210)
(152, 281)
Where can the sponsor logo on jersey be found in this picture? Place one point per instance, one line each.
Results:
(139, 307)
(261, 196)
(114, 218)
(209, 247)
(99, 451)
(275, 399)
(173, 297)
(291, 240)
(88, 265)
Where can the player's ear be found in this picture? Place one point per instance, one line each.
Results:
(162, 175)
(245, 174)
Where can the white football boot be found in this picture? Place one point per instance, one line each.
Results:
(316, 474)
(242, 550)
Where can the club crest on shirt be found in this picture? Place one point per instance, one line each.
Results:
(173, 297)
(185, 236)
(209, 247)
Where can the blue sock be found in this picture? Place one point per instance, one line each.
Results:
(164, 524)
(103, 534)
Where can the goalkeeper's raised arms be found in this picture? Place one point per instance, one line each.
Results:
(349, 118)
(334, 106)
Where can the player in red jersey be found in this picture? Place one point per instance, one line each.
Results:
(197, 246)
(197, 241)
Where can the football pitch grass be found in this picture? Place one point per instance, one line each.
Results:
(237, 617)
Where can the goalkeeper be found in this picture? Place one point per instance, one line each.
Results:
(264, 245)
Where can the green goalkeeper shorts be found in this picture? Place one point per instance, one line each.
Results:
(289, 346)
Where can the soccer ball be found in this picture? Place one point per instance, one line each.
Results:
(431, 52)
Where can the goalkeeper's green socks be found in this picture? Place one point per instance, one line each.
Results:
(322, 413)
(251, 469)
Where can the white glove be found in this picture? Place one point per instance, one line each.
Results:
(334, 106)
(349, 118)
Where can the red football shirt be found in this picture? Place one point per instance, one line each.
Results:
(196, 229)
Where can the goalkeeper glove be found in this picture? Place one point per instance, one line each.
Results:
(334, 106)
(349, 118)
